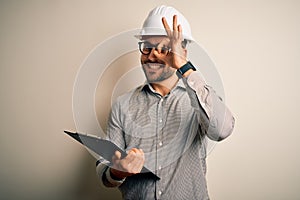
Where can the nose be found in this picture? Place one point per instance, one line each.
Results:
(151, 55)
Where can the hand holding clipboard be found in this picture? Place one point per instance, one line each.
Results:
(102, 147)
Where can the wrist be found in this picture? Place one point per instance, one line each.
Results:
(114, 174)
(108, 180)
(180, 64)
(187, 73)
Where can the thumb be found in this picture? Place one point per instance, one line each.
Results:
(116, 156)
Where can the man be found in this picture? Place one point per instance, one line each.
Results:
(164, 124)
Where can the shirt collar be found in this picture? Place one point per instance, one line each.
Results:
(147, 86)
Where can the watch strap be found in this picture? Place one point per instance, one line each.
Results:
(185, 68)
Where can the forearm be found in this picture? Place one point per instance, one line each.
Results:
(213, 115)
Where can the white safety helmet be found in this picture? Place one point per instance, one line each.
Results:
(153, 24)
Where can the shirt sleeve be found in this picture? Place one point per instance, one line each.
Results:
(215, 118)
(103, 173)
(115, 134)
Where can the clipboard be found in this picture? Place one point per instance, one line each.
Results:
(105, 148)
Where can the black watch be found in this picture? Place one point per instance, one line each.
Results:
(184, 69)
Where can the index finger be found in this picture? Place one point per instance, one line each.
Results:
(166, 26)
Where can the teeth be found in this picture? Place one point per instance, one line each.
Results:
(154, 65)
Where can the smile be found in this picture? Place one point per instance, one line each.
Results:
(154, 65)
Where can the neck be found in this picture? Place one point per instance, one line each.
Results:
(164, 87)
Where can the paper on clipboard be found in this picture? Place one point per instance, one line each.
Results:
(102, 147)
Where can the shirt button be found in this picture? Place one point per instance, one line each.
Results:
(159, 168)
(160, 143)
(159, 192)
(160, 120)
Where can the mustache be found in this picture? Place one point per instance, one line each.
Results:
(153, 62)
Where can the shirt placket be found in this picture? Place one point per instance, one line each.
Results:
(159, 144)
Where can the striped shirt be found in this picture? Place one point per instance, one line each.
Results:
(173, 131)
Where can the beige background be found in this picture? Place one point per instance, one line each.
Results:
(255, 45)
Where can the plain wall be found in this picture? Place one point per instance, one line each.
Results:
(255, 45)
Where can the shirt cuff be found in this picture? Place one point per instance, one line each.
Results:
(111, 180)
(195, 80)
